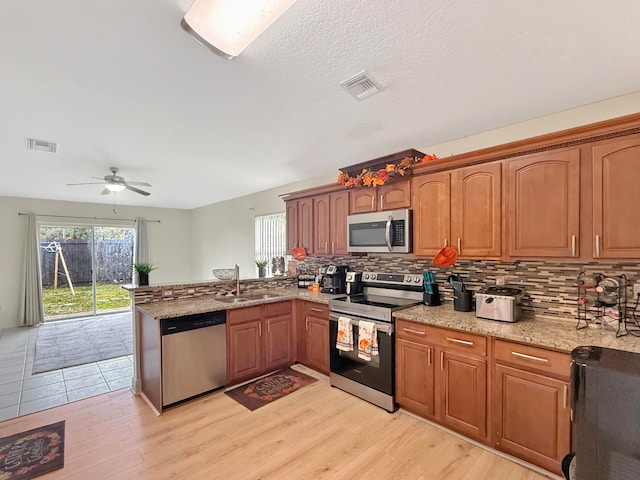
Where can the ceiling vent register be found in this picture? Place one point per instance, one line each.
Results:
(360, 86)
(41, 145)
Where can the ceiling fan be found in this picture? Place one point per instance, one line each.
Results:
(116, 183)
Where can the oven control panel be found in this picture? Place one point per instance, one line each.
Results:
(392, 278)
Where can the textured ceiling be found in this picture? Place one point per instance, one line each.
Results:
(118, 83)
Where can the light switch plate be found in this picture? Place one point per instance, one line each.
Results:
(500, 280)
(636, 290)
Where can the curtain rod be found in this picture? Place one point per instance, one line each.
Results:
(86, 218)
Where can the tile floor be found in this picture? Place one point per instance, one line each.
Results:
(22, 393)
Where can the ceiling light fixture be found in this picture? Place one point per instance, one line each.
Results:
(227, 27)
(115, 187)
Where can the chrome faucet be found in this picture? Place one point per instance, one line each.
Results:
(236, 275)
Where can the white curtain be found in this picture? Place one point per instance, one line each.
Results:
(142, 254)
(31, 311)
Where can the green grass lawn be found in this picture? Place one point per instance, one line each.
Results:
(62, 303)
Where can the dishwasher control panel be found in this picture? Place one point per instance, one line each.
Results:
(192, 322)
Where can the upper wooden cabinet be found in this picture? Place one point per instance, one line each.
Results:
(543, 204)
(461, 208)
(616, 196)
(330, 223)
(300, 224)
(385, 197)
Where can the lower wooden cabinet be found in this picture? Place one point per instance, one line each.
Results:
(415, 377)
(313, 336)
(259, 339)
(532, 418)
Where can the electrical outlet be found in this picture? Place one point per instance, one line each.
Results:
(168, 293)
(500, 280)
(636, 290)
(191, 291)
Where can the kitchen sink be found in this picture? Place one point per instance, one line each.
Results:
(260, 296)
(232, 299)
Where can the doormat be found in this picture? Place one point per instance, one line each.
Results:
(32, 453)
(272, 387)
(67, 343)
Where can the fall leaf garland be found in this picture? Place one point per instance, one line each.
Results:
(372, 178)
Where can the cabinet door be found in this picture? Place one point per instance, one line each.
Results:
(317, 346)
(414, 377)
(476, 203)
(363, 200)
(246, 358)
(431, 213)
(292, 225)
(544, 204)
(463, 386)
(532, 417)
(305, 224)
(394, 195)
(321, 226)
(338, 212)
(278, 351)
(616, 196)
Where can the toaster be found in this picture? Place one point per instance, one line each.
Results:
(499, 302)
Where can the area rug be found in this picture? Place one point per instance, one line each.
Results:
(32, 453)
(67, 343)
(272, 387)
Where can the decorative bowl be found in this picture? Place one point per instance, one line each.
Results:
(223, 273)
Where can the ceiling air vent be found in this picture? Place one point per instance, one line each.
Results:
(41, 145)
(360, 86)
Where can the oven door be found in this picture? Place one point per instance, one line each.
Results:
(379, 372)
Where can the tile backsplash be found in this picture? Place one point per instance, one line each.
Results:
(551, 288)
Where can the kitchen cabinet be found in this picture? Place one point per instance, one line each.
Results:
(313, 336)
(392, 196)
(531, 403)
(461, 208)
(330, 223)
(616, 196)
(543, 204)
(259, 340)
(300, 224)
(442, 374)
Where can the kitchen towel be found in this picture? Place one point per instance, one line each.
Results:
(368, 340)
(344, 340)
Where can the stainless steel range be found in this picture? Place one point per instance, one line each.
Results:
(371, 378)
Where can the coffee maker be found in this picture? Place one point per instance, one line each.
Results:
(353, 283)
(333, 280)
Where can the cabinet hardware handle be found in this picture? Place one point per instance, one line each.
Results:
(597, 246)
(306, 323)
(446, 242)
(381, 203)
(260, 329)
(463, 342)
(411, 330)
(564, 398)
(373, 204)
(333, 247)
(441, 360)
(459, 249)
(530, 357)
(326, 247)
(315, 309)
(428, 356)
(573, 245)
(268, 327)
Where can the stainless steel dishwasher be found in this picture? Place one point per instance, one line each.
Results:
(194, 355)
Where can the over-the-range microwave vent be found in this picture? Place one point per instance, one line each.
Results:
(41, 145)
(360, 86)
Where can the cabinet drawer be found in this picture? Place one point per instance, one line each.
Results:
(460, 341)
(316, 309)
(416, 332)
(276, 309)
(240, 315)
(535, 358)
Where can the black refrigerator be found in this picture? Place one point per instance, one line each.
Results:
(605, 401)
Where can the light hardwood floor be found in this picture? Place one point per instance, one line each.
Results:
(318, 432)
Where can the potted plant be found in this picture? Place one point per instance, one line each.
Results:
(262, 265)
(143, 269)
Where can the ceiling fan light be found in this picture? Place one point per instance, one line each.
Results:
(228, 26)
(115, 187)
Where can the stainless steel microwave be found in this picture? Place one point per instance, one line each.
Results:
(380, 232)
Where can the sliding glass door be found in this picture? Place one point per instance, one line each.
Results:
(83, 269)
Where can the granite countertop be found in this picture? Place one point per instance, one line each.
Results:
(211, 303)
(559, 334)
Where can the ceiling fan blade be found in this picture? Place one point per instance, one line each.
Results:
(141, 184)
(137, 190)
(87, 183)
(106, 191)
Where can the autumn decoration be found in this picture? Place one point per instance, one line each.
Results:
(381, 176)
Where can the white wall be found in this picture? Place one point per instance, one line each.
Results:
(169, 242)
